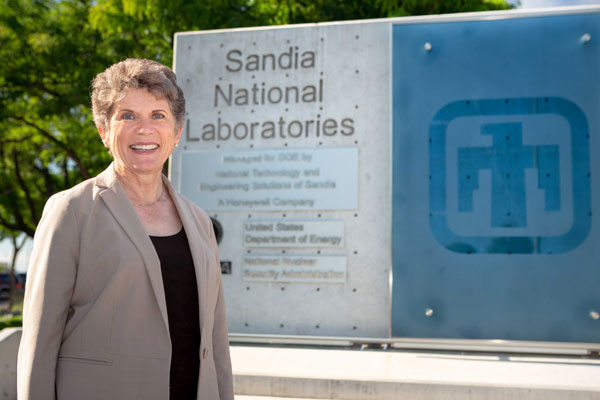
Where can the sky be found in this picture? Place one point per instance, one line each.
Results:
(6, 247)
(6, 252)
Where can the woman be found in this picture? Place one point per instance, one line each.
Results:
(124, 298)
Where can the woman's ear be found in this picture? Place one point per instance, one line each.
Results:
(104, 137)
(178, 135)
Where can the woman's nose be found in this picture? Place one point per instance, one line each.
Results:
(146, 126)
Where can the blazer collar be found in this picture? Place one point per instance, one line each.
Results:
(198, 248)
(115, 198)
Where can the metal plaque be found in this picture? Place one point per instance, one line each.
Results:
(274, 179)
(294, 233)
(292, 268)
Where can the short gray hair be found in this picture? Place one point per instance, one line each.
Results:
(111, 86)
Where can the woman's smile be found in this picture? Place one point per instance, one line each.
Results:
(144, 148)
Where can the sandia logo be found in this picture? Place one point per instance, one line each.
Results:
(510, 176)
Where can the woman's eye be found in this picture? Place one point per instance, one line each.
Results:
(158, 116)
(127, 116)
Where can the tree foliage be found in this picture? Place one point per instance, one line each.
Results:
(47, 138)
(278, 12)
(395, 8)
(52, 49)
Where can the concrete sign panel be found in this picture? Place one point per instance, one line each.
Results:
(289, 126)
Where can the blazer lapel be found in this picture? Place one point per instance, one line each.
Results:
(197, 247)
(116, 200)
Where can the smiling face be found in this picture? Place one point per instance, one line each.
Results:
(141, 133)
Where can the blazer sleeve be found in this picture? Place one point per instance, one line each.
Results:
(51, 278)
(220, 335)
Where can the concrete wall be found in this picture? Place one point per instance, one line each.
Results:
(9, 346)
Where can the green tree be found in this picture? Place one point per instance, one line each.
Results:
(402, 8)
(278, 12)
(52, 49)
(47, 138)
(147, 28)
(150, 25)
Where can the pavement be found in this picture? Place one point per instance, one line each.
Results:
(273, 373)
(308, 372)
(240, 397)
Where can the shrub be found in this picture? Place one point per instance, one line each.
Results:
(11, 321)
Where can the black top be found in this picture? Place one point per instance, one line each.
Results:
(181, 292)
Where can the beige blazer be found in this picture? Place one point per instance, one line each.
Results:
(95, 317)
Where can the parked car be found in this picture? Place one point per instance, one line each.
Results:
(23, 277)
(5, 284)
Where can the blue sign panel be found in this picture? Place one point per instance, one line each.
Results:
(495, 137)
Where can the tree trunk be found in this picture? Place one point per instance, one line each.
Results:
(12, 292)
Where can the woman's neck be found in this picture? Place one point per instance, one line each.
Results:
(142, 189)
